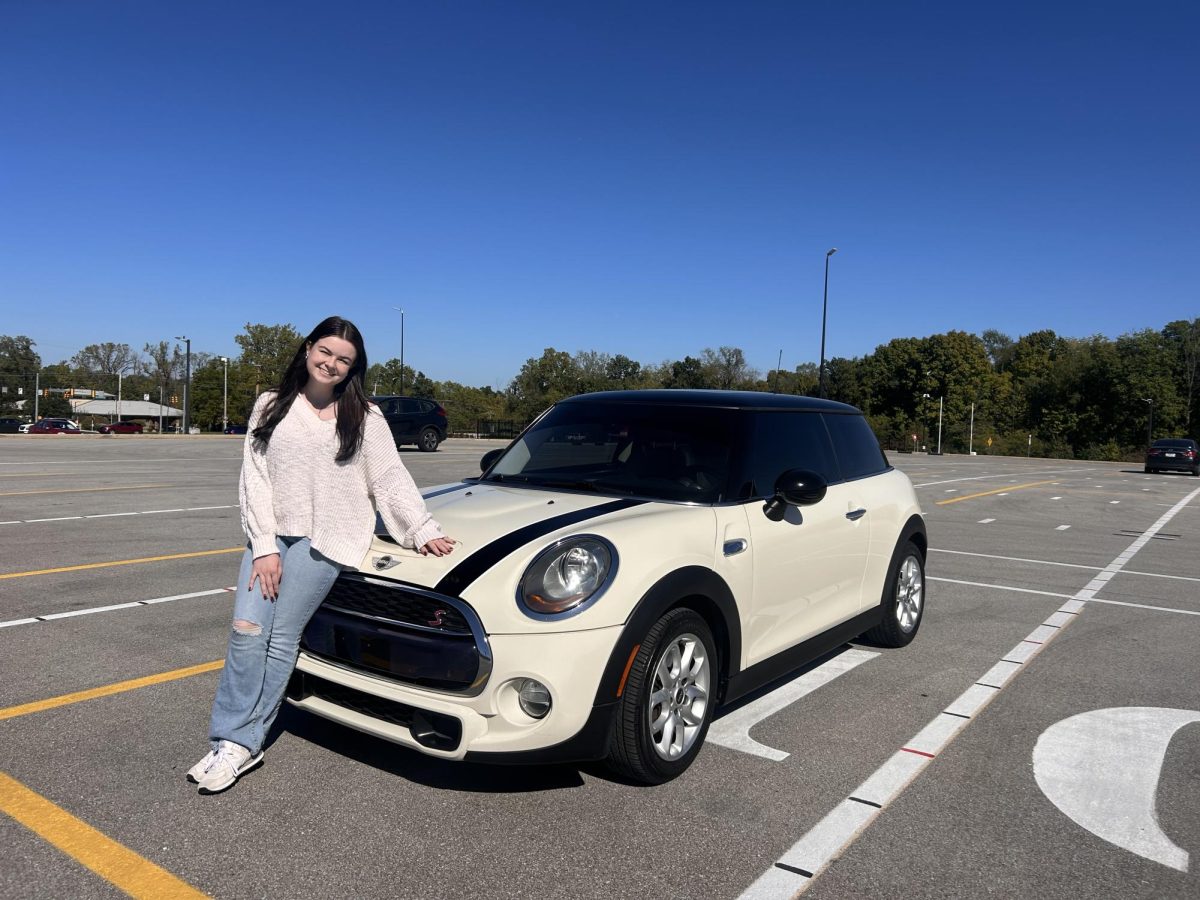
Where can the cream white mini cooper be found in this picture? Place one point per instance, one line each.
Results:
(630, 563)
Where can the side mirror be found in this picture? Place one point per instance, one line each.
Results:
(490, 458)
(795, 487)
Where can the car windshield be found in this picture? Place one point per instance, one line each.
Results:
(676, 453)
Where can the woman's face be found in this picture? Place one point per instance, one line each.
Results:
(330, 360)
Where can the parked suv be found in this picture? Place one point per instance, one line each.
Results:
(414, 420)
(10, 426)
(629, 564)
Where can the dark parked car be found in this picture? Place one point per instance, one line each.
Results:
(53, 426)
(414, 421)
(121, 428)
(10, 426)
(1173, 454)
(236, 429)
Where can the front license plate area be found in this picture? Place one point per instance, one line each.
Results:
(446, 662)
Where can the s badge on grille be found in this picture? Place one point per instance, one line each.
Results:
(436, 621)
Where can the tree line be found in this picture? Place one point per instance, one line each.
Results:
(1040, 394)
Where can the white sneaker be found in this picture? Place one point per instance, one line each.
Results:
(194, 773)
(230, 762)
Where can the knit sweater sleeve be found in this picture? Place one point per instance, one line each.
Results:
(397, 499)
(255, 496)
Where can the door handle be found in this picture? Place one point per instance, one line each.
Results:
(855, 514)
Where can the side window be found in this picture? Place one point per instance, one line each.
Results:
(409, 406)
(387, 407)
(857, 447)
(426, 407)
(782, 441)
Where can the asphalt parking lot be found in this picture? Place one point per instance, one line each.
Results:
(1041, 737)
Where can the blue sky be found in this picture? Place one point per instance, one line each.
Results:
(640, 178)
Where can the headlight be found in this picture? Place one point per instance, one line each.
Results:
(564, 577)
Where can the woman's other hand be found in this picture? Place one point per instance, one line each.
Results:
(267, 571)
(438, 547)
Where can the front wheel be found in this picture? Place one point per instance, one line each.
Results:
(903, 602)
(427, 440)
(668, 701)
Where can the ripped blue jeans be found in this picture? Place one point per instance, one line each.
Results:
(264, 642)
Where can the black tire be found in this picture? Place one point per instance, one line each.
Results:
(1147, 470)
(427, 440)
(641, 749)
(903, 601)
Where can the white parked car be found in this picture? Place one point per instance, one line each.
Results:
(630, 563)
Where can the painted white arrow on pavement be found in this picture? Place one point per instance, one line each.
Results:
(733, 730)
(1101, 768)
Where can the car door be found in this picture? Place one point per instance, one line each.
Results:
(878, 491)
(808, 565)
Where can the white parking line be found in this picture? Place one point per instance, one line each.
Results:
(998, 475)
(148, 512)
(733, 730)
(1062, 527)
(986, 521)
(49, 617)
(998, 587)
(1047, 562)
(825, 841)
(1186, 612)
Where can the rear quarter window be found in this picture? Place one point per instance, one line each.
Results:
(857, 448)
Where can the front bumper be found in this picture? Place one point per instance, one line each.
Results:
(488, 724)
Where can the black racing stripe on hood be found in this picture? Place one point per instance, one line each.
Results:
(460, 577)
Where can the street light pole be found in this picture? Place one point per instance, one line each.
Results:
(399, 310)
(940, 407)
(1150, 421)
(187, 384)
(824, 314)
(225, 396)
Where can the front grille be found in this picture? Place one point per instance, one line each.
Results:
(401, 633)
(396, 603)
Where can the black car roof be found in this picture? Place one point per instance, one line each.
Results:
(717, 400)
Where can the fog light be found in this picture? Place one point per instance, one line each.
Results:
(534, 698)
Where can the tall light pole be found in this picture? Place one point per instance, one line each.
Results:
(225, 396)
(1150, 421)
(824, 314)
(187, 383)
(399, 310)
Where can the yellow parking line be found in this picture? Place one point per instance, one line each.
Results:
(116, 864)
(1011, 487)
(128, 487)
(11, 712)
(120, 562)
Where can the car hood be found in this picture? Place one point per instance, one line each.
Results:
(488, 522)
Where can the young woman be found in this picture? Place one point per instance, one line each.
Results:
(316, 452)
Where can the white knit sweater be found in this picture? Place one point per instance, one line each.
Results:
(295, 488)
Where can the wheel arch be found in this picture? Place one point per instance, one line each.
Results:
(693, 587)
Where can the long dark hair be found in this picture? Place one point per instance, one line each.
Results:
(350, 395)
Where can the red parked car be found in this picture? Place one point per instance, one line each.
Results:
(121, 428)
(53, 426)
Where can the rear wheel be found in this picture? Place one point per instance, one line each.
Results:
(664, 712)
(427, 440)
(903, 600)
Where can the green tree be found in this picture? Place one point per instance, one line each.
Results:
(108, 359)
(688, 372)
(542, 382)
(268, 350)
(18, 363)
